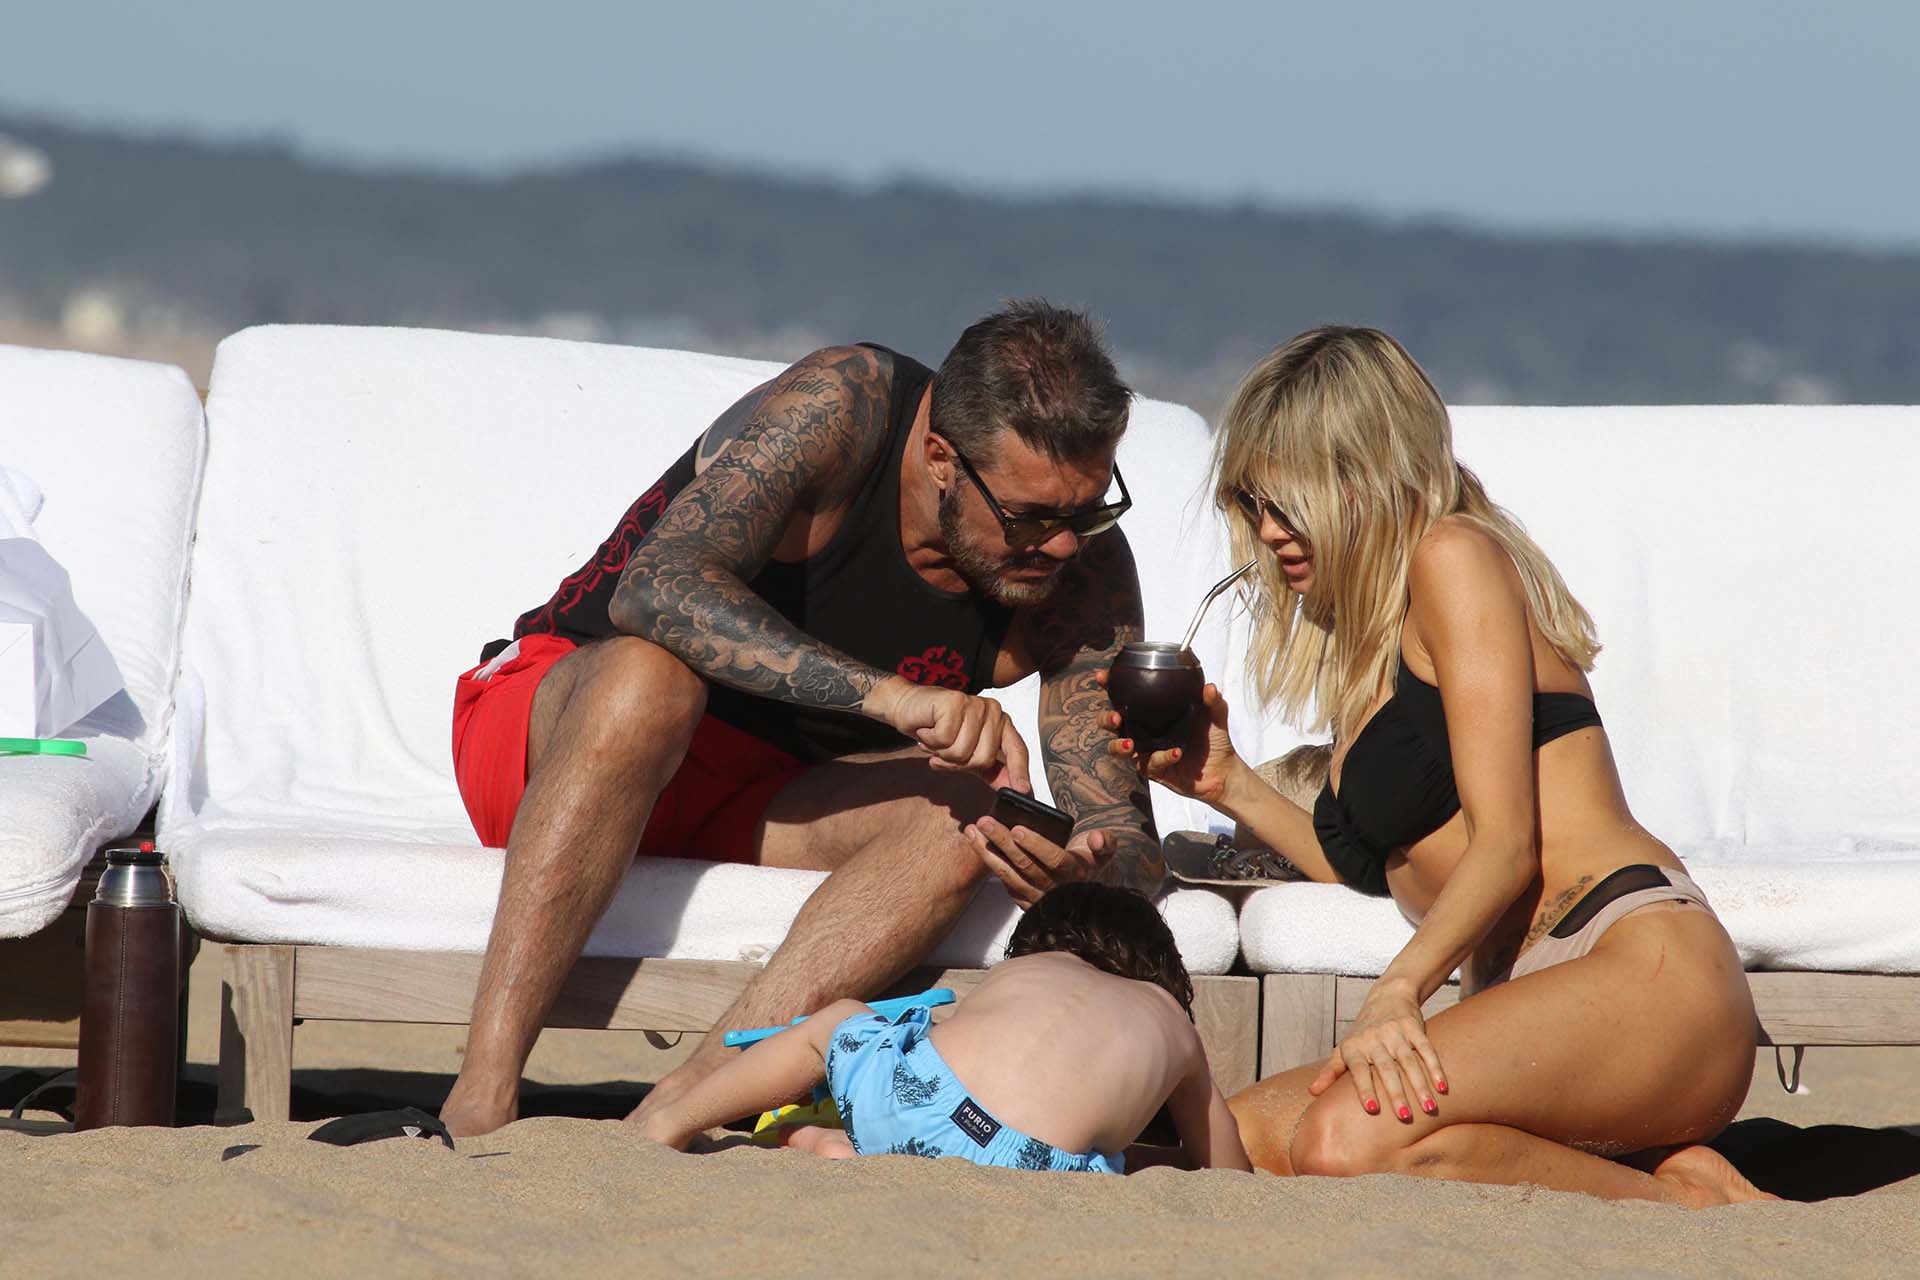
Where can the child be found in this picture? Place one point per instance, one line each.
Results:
(1057, 1061)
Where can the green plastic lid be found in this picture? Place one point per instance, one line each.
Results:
(42, 747)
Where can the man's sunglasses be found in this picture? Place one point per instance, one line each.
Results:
(1254, 506)
(1031, 528)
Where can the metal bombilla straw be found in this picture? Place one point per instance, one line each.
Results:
(1218, 587)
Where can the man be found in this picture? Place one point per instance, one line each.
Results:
(780, 637)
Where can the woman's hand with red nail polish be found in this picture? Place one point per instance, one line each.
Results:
(1202, 768)
(1387, 1054)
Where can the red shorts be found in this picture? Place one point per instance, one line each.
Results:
(711, 809)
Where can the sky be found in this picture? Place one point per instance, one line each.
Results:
(1714, 118)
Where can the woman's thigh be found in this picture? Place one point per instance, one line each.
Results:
(1647, 1041)
(1268, 1111)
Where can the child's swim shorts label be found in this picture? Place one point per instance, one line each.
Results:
(974, 1122)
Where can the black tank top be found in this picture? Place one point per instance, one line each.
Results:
(1397, 786)
(857, 594)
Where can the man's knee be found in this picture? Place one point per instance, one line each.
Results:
(939, 820)
(631, 691)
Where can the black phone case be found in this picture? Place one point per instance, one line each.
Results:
(1017, 809)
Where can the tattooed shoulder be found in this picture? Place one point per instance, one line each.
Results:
(833, 406)
(729, 426)
(839, 390)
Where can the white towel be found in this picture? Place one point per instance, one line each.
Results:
(1750, 573)
(257, 884)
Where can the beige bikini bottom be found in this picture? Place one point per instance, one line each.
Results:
(1620, 893)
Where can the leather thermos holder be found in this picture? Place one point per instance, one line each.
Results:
(129, 1021)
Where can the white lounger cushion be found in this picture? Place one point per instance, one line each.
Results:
(1785, 911)
(358, 891)
(115, 447)
(379, 503)
(1750, 571)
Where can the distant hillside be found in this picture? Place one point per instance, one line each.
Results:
(218, 236)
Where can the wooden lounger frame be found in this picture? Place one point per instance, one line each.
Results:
(268, 987)
(1253, 1027)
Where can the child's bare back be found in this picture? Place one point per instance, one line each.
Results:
(1076, 1057)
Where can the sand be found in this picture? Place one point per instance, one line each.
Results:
(553, 1195)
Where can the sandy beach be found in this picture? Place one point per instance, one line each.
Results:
(554, 1194)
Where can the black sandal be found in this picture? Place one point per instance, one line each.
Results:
(56, 1094)
(373, 1126)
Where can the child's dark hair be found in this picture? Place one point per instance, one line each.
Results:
(1114, 930)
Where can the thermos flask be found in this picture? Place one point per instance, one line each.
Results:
(130, 1017)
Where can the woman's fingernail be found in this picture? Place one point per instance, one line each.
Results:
(1404, 1113)
(1442, 1086)
(1373, 1108)
(1429, 1106)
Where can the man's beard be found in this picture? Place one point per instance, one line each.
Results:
(983, 570)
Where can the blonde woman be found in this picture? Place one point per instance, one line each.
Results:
(1607, 1029)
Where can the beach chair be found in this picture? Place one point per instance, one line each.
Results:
(379, 503)
(115, 448)
(1749, 573)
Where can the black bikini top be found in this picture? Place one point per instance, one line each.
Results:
(1397, 788)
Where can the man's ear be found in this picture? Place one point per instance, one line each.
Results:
(939, 459)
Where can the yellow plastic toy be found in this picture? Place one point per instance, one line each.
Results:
(771, 1129)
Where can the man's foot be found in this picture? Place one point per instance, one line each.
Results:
(470, 1111)
(819, 1140)
(1703, 1177)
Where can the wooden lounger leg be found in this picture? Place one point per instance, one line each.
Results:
(1296, 1020)
(256, 1033)
(1226, 1011)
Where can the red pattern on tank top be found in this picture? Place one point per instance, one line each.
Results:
(938, 666)
(613, 557)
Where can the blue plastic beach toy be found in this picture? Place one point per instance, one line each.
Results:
(890, 1008)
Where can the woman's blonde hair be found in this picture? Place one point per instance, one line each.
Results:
(1343, 432)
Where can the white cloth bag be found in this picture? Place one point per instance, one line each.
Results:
(54, 667)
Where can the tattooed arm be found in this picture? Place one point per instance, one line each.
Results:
(815, 432)
(805, 446)
(1075, 636)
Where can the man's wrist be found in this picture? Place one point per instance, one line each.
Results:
(883, 697)
(1133, 859)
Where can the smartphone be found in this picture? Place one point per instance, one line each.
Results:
(1018, 809)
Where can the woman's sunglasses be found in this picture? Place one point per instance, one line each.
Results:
(1253, 507)
(1031, 528)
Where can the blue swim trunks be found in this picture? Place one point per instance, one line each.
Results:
(897, 1096)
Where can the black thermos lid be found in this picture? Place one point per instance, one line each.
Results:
(143, 856)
